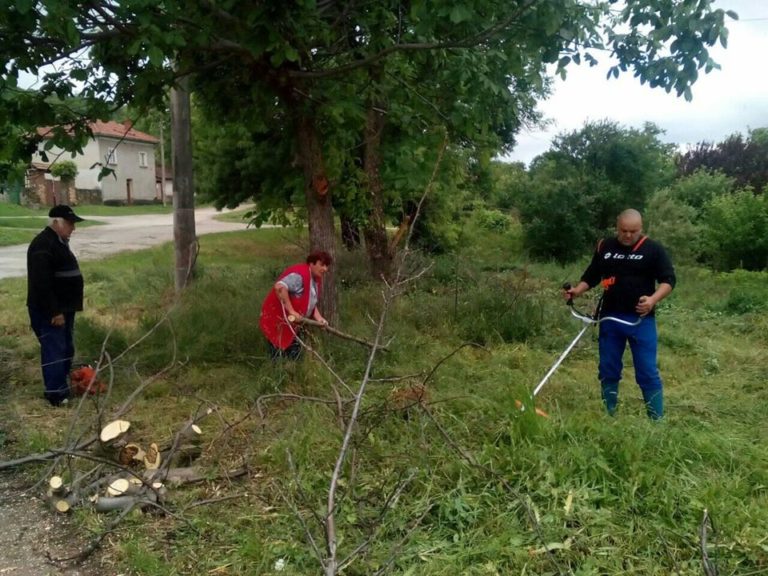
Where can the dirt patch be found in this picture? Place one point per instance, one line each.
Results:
(31, 534)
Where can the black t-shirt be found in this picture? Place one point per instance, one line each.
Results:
(628, 272)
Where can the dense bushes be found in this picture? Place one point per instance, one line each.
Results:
(577, 188)
(571, 195)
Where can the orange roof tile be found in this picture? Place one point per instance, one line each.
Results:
(111, 129)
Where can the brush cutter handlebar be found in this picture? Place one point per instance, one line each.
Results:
(590, 319)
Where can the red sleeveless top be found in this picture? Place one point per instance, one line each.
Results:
(272, 322)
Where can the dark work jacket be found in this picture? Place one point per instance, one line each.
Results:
(628, 272)
(54, 282)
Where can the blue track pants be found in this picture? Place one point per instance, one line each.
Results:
(643, 344)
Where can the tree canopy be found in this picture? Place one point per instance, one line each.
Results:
(111, 53)
(331, 95)
(743, 159)
(577, 188)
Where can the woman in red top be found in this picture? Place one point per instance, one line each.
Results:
(295, 295)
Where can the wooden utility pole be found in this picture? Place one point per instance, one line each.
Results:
(162, 163)
(184, 237)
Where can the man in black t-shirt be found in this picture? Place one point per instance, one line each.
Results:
(636, 274)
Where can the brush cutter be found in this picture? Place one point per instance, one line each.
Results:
(588, 320)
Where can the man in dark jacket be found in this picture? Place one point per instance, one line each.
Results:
(54, 294)
(636, 274)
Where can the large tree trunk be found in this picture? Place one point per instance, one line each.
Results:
(184, 235)
(322, 235)
(375, 231)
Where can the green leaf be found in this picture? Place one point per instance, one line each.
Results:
(291, 54)
(155, 56)
(724, 38)
(459, 13)
(277, 58)
(79, 74)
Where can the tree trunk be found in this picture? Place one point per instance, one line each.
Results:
(184, 236)
(375, 231)
(322, 235)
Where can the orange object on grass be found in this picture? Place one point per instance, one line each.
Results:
(539, 411)
(83, 380)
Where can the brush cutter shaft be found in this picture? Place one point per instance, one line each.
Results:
(560, 360)
(590, 320)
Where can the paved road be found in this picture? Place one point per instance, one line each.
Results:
(119, 233)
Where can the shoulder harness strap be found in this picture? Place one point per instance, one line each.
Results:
(639, 243)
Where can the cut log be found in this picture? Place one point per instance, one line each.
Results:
(152, 457)
(110, 503)
(58, 495)
(64, 504)
(181, 476)
(56, 483)
(161, 491)
(175, 476)
(57, 486)
(130, 454)
(114, 430)
(118, 487)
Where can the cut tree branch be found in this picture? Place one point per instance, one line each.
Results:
(339, 333)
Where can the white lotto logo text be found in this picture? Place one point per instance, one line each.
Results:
(618, 256)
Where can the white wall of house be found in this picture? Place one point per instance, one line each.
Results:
(131, 161)
(134, 168)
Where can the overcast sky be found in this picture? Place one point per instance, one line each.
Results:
(733, 99)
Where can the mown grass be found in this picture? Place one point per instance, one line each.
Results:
(577, 493)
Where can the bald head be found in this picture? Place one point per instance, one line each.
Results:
(629, 227)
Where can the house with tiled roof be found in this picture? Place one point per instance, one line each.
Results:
(127, 152)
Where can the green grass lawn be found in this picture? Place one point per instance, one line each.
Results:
(460, 482)
(86, 210)
(16, 236)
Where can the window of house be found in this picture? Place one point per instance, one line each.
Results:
(143, 159)
(112, 156)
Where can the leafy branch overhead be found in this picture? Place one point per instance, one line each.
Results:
(112, 53)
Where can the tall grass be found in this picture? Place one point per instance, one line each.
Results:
(483, 488)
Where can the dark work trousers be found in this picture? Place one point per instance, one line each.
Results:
(57, 348)
(642, 340)
(291, 353)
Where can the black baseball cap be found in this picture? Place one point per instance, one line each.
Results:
(64, 211)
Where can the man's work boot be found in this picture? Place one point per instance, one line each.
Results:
(654, 403)
(610, 393)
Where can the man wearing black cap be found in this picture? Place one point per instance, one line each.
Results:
(54, 294)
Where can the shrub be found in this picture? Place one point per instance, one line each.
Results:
(736, 231)
(673, 223)
(493, 220)
(488, 317)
